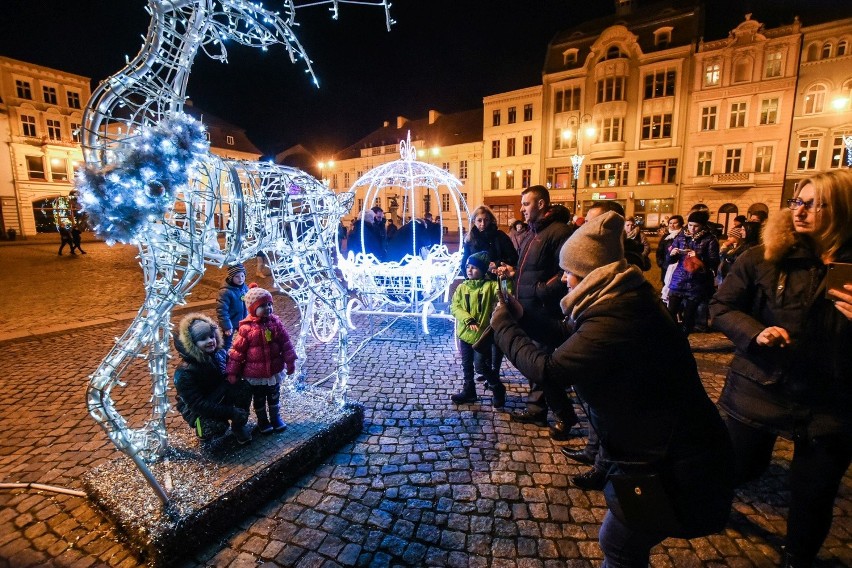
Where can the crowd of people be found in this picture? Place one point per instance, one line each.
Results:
(566, 301)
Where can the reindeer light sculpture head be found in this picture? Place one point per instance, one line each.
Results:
(151, 180)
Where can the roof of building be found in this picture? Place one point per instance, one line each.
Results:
(685, 17)
(435, 130)
(219, 129)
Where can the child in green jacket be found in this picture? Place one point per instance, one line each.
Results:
(473, 302)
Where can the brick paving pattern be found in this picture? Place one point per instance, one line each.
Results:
(424, 484)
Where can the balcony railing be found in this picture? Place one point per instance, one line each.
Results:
(738, 179)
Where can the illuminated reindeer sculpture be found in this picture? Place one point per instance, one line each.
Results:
(151, 180)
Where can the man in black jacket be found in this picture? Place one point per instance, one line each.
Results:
(539, 288)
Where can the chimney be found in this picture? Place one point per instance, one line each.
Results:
(400, 121)
(433, 116)
(385, 124)
(623, 7)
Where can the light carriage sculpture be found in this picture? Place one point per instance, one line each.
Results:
(151, 180)
(409, 284)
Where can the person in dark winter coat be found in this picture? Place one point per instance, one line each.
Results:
(472, 305)
(484, 236)
(636, 243)
(207, 401)
(539, 288)
(696, 252)
(230, 309)
(792, 370)
(652, 417)
(366, 238)
(261, 352)
(65, 239)
(77, 240)
(520, 235)
(675, 228)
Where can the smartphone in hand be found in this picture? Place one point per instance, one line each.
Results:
(839, 273)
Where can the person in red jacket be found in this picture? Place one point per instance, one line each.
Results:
(260, 353)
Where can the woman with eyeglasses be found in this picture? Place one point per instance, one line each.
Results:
(791, 375)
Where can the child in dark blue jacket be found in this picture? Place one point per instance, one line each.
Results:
(230, 308)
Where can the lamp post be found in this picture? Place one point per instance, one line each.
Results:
(841, 104)
(574, 128)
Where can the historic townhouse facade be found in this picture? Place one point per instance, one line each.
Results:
(452, 142)
(44, 109)
(823, 109)
(512, 146)
(616, 92)
(743, 95)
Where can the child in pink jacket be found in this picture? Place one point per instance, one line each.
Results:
(260, 352)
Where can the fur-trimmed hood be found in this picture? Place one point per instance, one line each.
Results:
(779, 235)
(186, 346)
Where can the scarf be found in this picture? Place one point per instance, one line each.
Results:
(601, 284)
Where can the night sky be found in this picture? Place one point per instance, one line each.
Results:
(441, 54)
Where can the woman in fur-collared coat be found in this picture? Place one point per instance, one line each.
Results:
(792, 372)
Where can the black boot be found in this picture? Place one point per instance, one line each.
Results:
(561, 430)
(467, 394)
(498, 392)
(263, 425)
(593, 480)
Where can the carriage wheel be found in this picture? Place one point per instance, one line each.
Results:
(324, 324)
(352, 306)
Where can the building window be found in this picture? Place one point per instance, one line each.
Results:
(773, 64)
(360, 205)
(445, 166)
(660, 83)
(28, 126)
(445, 202)
(376, 151)
(49, 94)
(54, 129)
(738, 115)
(614, 52)
(611, 89)
(528, 112)
(58, 169)
(708, 117)
(229, 140)
(346, 181)
(23, 90)
(656, 126)
(815, 99)
(73, 99)
(510, 147)
(742, 70)
(838, 150)
(75, 132)
(663, 37)
(495, 118)
(564, 139)
(808, 150)
(608, 175)
(527, 145)
(769, 111)
(526, 178)
(733, 158)
(334, 181)
(495, 148)
(656, 171)
(763, 159)
(705, 163)
(569, 56)
(826, 50)
(463, 169)
(609, 130)
(567, 100)
(512, 115)
(712, 72)
(842, 46)
(510, 179)
(495, 180)
(35, 167)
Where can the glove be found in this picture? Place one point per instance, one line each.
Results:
(232, 379)
(239, 416)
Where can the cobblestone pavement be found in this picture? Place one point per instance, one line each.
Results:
(424, 484)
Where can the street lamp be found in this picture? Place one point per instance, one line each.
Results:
(841, 104)
(577, 123)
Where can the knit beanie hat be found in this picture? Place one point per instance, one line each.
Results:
(479, 260)
(597, 243)
(236, 269)
(701, 217)
(200, 329)
(256, 297)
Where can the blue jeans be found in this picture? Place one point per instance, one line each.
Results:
(624, 547)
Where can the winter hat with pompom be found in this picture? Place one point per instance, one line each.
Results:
(479, 260)
(256, 297)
